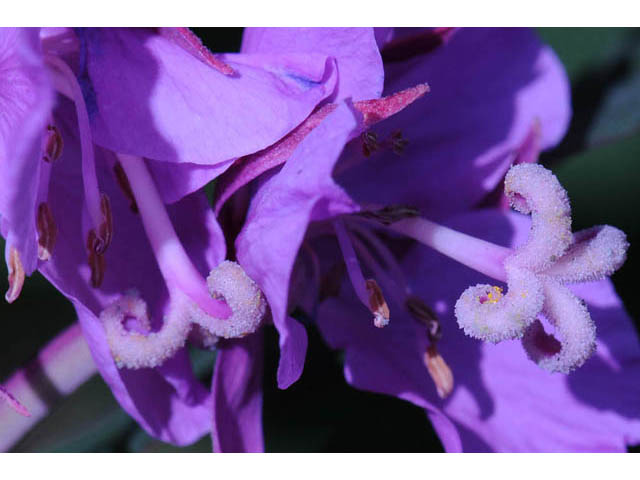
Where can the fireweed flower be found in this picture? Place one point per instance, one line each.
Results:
(342, 206)
(106, 138)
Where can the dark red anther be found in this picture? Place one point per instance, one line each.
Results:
(47, 231)
(102, 238)
(411, 46)
(189, 41)
(369, 143)
(123, 182)
(96, 260)
(53, 144)
(398, 142)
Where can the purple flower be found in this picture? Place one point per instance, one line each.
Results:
(107, 136)
(342, 198)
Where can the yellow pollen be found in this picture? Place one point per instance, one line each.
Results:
(495, 295)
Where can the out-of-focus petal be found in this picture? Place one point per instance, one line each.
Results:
(25, 102)
(355, 50)
(237, 396)
(485, 97)
(302, 191)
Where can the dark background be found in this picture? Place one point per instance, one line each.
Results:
(597, 163)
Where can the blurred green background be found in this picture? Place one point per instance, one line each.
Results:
(597, 163)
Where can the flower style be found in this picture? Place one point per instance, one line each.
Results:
(107, 137)
(342, 194)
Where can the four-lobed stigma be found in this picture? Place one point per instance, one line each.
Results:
(537, 274)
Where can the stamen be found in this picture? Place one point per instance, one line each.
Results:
(572, 323)
(369, 143)
(533, 189)
(52, 144)
(16, 275)
(123, 183)
(66, 82)
(439, 371)
(144, 348)
(368, 292)
(47, 231)
(96, 261)
(377, 304)
(398, 142)
(383, 252)
(425, 315)
(6, 396)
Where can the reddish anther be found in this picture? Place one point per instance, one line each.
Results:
(411, 46)
(95, 260)
(189, 41)
(47, 231)
(16, 275)
(53, 144)
(369, 143)
(125, 186)
(99, 241)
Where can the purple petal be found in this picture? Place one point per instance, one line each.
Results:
(169, 402)
(488, 87)
(387, 360)
(237, 396)
(301, 192)
(293, 350)
(143, 99)
(25, 103)
(355, 50)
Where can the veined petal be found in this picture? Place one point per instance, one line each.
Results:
(355, 50)
(302, 191)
